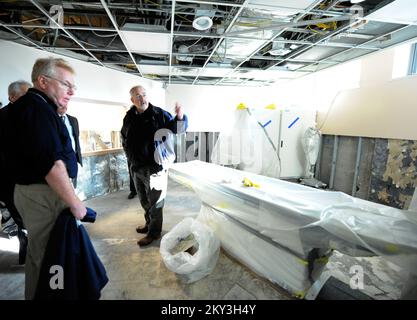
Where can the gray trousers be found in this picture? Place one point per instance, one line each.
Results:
(39, 207)
(151, 189)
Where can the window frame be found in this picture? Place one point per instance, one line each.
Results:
(412, 68)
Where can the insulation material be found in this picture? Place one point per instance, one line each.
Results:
(299, 219)
(246, 146)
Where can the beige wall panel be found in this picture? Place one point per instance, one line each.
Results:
(384, 111)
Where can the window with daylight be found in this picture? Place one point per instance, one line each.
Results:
(405, 60)
(413, 60)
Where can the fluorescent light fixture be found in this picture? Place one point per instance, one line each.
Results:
(147, 42)
(356, 1)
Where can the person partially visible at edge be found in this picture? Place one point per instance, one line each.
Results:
(15, 90)
(138, 132)
(42, 159)
(74, 132)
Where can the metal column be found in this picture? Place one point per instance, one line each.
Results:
(334, 159)
(358, 160)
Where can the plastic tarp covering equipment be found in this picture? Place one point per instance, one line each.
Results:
(297, 220)
(247, 146)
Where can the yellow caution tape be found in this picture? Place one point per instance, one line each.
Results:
(186, 182)
(223, 205)
(322, 260)
(271, 106)
(300, 294)
(392, 248)
(303, 262)
(241, 106)
(247, 183)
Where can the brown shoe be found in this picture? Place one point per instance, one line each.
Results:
(131, 195)
(147, 240)
(143, 229)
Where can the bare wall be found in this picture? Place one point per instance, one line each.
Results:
(95, 83)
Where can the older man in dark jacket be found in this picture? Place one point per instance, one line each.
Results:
(144, 127)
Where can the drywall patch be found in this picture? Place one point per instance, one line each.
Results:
(394, 172)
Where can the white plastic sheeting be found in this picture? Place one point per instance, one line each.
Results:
(297, 219)
(246, 146)
(311, 147)
(190, 267)
(273, 262)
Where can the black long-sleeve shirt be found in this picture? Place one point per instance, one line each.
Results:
(35, 137)
(138, 133)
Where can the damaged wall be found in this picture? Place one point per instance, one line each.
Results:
(394, 173)
(387, 170)
(102, 174)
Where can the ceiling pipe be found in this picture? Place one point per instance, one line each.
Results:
(46, 49)
(298, 18)
(290, 25)
(172, 41)
(221, 39)
(193, 35)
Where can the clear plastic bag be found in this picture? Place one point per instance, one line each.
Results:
(190, 267)
(164, 154)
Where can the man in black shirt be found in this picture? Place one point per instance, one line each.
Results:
(15, 91)
(42, 160)
(143, 126)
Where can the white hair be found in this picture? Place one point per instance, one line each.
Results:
(18, 88)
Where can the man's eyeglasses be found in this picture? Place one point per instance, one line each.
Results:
(137, 96)
(65, 84)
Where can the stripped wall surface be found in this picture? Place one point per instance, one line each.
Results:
(387, 170)
(394, 173)
(102, 174)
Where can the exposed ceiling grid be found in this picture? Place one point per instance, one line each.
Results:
(222, 38)
(296, 19)
(233, 42)
(172, 40)
(116, 27)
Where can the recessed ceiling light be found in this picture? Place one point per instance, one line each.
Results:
(356, 1)
(202, 23)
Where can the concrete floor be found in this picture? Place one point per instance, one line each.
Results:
(139, 273)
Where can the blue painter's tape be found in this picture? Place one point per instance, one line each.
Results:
(267, 123)
(298, 118)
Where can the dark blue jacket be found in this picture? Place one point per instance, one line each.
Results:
(35, 138)
(138, 134)
(69, 246)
